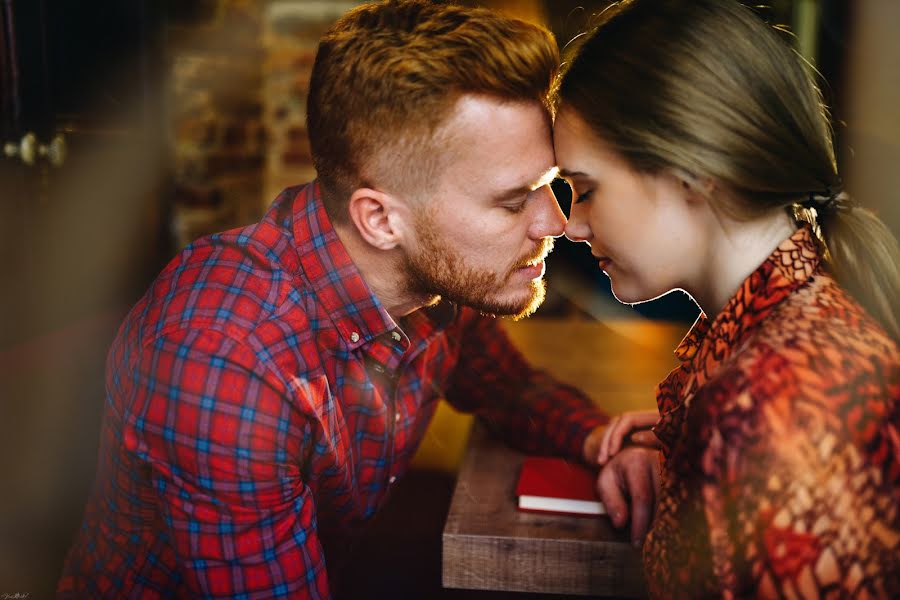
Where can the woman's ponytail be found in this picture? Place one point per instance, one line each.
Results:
(864, 257)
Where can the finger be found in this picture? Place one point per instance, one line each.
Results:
(603, 453)
(645, 438)
(628, 424)
(609, 487)
(625, 426)
(647, 419)
(611, 432)
(595, 439)
(641, 488)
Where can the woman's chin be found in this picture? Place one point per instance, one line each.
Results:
(629, 295)
(633, 295)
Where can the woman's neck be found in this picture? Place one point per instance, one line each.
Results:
(736, 249)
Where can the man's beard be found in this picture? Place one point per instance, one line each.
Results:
(436, 269)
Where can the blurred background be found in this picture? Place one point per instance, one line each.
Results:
(130, 127)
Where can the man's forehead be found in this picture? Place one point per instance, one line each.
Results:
(546, 178)
(502, 147)
(528, 185)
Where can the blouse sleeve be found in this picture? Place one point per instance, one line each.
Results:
(795, 505)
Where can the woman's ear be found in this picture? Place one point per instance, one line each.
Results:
(695, 187)
(373, 214)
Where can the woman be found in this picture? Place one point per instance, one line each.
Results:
(700, 158)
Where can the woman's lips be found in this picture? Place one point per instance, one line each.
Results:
(603, 261)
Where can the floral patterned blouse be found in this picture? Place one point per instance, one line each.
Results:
(781, 445)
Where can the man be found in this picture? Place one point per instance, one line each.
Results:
(275, 380)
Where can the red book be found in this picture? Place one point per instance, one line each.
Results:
(558, 486)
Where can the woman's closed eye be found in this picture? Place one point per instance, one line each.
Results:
(586, 195)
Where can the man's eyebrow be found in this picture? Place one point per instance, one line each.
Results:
(523, 190)
(568, 173)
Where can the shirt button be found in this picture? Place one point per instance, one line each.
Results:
(396, 335)
(396, 417)
(392, 479)
(354, 337)
(378, 368)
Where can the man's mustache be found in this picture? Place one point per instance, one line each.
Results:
(539, 254)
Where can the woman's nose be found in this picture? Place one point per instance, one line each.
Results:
(577, 229)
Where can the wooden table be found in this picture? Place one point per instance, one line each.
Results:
(487, 543)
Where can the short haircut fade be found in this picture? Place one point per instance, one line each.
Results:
(387, 75)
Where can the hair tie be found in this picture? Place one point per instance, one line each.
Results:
(831, 200)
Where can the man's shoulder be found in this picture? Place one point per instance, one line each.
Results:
(233, 281)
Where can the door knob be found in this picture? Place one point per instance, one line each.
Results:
(55, 151)
(28, 149)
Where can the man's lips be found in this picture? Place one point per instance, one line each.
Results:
(532, 262)
(533, 270)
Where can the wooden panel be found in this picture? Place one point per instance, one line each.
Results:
(489, 545)
(617, 363)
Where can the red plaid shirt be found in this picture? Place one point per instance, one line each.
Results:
(259, 395)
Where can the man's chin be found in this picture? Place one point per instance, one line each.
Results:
(514, 309)
(539, 293)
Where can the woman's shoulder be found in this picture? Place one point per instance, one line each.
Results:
(821, 327)
(819, 343)
(819, 363)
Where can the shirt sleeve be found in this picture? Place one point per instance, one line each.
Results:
(223, 443)
(794, 507)
(526, 407)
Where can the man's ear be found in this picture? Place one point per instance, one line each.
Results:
(373, 214)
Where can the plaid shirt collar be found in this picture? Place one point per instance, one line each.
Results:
(358, 315)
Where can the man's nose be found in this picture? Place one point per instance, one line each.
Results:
(549, 220)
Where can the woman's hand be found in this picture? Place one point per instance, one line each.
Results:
(629, 488)
(634, 427)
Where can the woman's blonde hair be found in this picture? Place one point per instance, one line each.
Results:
(707, 88)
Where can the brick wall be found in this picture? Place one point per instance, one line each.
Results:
(291, 32)
(217, 132)
(238, 82)
(237, 87)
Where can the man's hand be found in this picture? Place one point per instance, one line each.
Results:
(606, 440)
(629, 488)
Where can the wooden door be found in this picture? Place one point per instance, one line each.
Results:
(81, 189)
(82, 210)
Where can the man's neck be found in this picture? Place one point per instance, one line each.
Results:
(383, 272)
